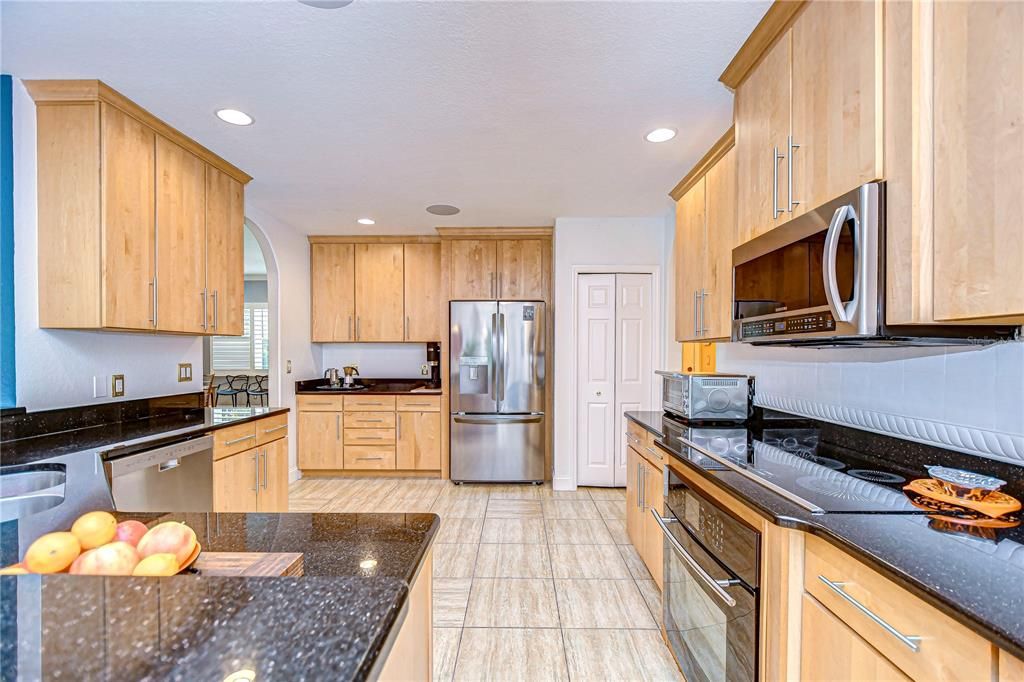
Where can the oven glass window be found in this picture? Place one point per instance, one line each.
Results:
(790, 278)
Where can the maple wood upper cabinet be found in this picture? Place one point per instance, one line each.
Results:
(380, 292)
(954, 150)
(422, 292)
(332, 291)
(139, 227)
(704, 239)
(488, 264)
(808, 111)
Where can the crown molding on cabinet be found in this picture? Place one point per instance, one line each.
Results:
(494, 232)
(46, 92)
(714, 155)
(773, 24)
(371, 239)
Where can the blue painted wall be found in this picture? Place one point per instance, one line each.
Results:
(7, 367)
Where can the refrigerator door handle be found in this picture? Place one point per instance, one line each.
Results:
(493, 364)
(503, 345)
(498, 419)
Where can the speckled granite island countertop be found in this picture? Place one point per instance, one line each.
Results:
(336, 622)
(978, 581)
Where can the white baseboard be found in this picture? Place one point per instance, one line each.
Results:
(294, 475)
(563, 483)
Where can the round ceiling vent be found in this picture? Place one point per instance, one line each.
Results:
(327, 4)
(442, 209)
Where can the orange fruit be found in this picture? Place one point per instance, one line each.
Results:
(157, 565)
(52, 553)
(14, 569)
(94, 529)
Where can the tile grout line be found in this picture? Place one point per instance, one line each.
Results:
(554, 589)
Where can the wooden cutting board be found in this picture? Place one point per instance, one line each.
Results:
(249, 564)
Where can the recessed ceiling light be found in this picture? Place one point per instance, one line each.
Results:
(442, 209)
(234, 116)
(327, 4)
(366, 221)
(660, 135)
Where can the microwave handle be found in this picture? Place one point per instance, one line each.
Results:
(828, 263)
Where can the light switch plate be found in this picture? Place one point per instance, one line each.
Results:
(288, 367)
(117, 385)
(184, 372)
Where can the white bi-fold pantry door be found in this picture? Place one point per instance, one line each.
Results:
(614, 372)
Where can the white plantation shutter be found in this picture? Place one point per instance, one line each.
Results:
(247, 352)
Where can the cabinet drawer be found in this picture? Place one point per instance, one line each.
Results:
(418, 403)
(233, 439)
(637, 432)
(369, 436)
(316, 403)
(369, 403)
(370, 420)
(271, 428)
(369, 457)
(945, 649)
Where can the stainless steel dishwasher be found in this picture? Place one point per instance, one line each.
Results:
(173, 477)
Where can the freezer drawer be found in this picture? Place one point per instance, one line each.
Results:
(497, 447)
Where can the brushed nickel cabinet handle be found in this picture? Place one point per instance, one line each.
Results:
(776, 157)
(703, 325)
(205, 325)
(216, 311)
(265, 470)
(337, 427)
(351, 329)
(276, 428)
(152, 300)
(370, 421)
(369, 459)
(317, 402)
(256, 470)
(406, 327)
(398, 424)
(789, 161)
(696, 324)
(910, 641)
(357, 327)
(418, 405)
(239, 440)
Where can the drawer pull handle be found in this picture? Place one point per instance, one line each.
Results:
(418, 405)
(368, 459)
(653, 452)
(276, 428)
(239, 440)
(366, 403)
(369, 421)
(316, 402)
(837, 587)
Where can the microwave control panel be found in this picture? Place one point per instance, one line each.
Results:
(796, 324)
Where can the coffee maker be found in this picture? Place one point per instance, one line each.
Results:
(434, 362)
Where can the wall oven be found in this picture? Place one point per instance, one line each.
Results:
(820, 280)
(711, 589)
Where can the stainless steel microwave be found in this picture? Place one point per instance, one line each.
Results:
(820, 280)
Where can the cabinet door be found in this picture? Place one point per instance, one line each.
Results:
(320, 441)
(689, 261)
(332, 290)
(380, 292)
(473, 269)
(520, 269)
(634, 514)
(419, 441)
(720, 238)
(127, 168)
(979, 160)
(181, 239)
(837, 99)
(273, 492)
(654, 539)
(235, 482)
(225, 253)
(422, 292)
(829, 650)
(762, 113)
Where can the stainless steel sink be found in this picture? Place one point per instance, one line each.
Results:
(29, 490)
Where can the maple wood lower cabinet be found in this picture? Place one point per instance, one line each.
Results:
(832, 651)
(645, 492)
(250, 466)
(369, 432)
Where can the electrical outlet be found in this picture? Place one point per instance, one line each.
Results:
(425, 370)
(117, 386)
(184, 372)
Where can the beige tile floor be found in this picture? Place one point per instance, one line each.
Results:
(529, 583)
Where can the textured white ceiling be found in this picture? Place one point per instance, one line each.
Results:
(517, 112)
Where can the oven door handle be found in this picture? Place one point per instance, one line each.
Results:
(717, 586)
(828, 263)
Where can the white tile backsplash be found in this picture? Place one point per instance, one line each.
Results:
(970, 399)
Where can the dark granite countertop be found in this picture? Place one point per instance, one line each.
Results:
(334, 622)
(115, 427)
(977, 581)
(377, 386)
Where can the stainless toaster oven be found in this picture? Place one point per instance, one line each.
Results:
(707, 397)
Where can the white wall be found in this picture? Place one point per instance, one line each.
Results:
(967, 399)
(55, 368)
(581, 242)
(377, 360)
(287, 253)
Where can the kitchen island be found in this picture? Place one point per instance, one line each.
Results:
(363, 594)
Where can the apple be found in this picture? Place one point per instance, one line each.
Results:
(130, 532)
(115, 558)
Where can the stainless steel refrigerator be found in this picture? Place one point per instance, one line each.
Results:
(497, 390)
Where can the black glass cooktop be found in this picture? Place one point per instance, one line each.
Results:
(822, 467)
